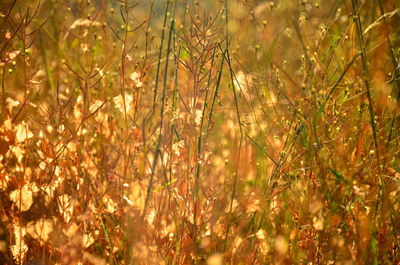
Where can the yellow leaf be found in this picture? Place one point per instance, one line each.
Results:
(20, 248)
(87, 240)
(11, 103)
(95, 106)
(111, 206)
(135, 77)
(41, 229)
(22, 198)
(23, 133)
(65, 207)
(119, 102)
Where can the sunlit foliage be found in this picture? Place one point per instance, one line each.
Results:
(199, 132)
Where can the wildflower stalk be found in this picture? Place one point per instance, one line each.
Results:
(228, 60)
(366, 74)
(199, 151)
(160, 136)
(160, 53)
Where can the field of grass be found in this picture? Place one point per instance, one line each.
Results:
(199, 132)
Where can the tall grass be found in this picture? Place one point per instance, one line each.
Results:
(199, 132)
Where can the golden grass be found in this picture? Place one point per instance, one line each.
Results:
(199, 132)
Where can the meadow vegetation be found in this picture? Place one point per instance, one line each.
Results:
(199, 132)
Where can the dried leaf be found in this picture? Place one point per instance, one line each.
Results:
(66, 207)
(95, 106)
(119, 102)
(135, 77)
(22, 198)
(20, 248)
(87, 240)
(41, 229)
(12, 103)
(23, 133)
